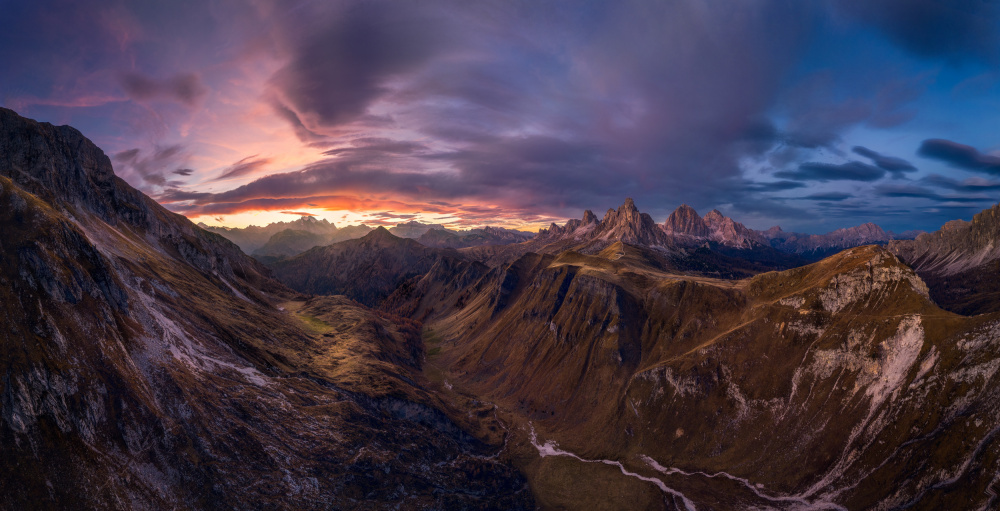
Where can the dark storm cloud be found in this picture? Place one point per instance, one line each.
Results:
(247, 165)
(912, 191)
(341, 67)
(305, 134)
(828, 196)
(581, 104)
(772, 186)
(183, 172)
(972, 184)
(850, 171)
(959, 155)
(185, 88)
(956, 29)
(895, 165)
(920, 192)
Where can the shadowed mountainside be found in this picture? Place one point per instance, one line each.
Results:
(148, 363)
(367, 269)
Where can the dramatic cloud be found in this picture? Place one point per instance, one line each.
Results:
(895, 165)
(773, 186)
(895, 190)
(248, 165)
(339, 69)
(972, 184)
(959, 155)
(519, 110)
(919, 192)
(297, 213)
(829, 196)
(850, 171)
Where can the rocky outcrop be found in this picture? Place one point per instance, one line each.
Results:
(628, 225)
(729, 232)
(685, 221)
(625, 224)
(685, 224)
(959, 262)
(958, 246)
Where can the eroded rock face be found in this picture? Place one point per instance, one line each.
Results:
(957, 247)
(959, 262)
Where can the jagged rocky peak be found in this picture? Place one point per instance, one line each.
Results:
(628, 225)
(730, 232)
(626, 213)
(311, 221)
(715, 217)
(686, 221)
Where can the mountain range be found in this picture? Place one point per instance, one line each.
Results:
(280, 240)
(607, 363)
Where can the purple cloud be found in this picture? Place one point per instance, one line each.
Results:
(850, 171)
(185, 88)
(247, 165)
(959, 155)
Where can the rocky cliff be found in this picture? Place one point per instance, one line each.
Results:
(960, 262)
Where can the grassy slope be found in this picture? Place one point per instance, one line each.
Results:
(769, 378)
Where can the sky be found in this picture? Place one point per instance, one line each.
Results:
(811, 115)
